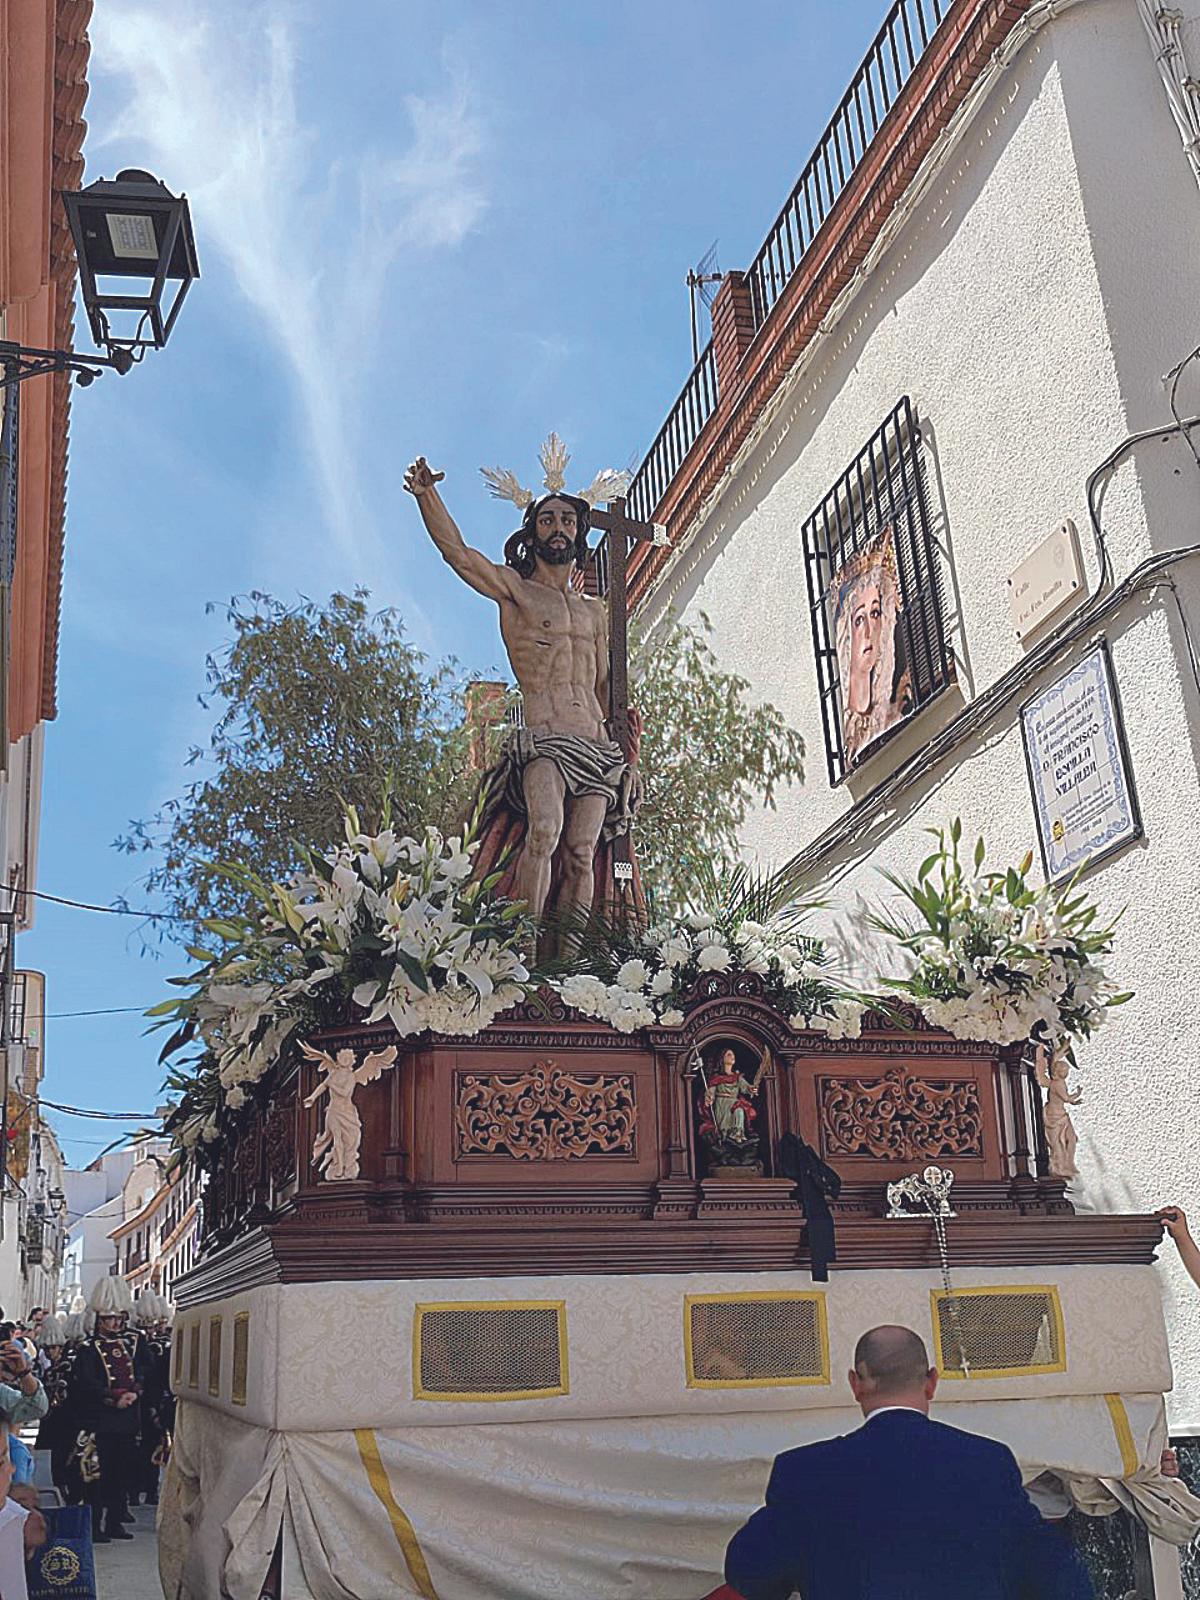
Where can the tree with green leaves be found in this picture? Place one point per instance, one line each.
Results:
(318, 707)
(709, 753)
(323, 706)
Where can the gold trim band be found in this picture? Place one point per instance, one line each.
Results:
(406, 1537)
(1124, 1433)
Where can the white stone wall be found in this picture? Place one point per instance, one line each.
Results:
(1030, 308)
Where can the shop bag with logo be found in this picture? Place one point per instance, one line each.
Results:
(64, 1568)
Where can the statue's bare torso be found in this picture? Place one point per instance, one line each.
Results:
(557, 644)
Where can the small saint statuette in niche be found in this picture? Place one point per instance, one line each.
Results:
(729, 1127)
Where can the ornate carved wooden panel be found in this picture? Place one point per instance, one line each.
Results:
(899, 1117)
(281, 1143)
(545, 1114)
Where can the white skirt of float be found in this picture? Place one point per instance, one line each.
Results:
(602, 1509)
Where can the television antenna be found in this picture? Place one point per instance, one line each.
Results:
(702, 280)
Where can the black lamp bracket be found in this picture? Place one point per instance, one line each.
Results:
(18, 362)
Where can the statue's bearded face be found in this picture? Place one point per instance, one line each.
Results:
(554, 533)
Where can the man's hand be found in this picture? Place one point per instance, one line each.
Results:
(14, 1359)
(34, 1531)
(421, 479)
(1174, 1220)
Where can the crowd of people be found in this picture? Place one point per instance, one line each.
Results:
(97, 1383)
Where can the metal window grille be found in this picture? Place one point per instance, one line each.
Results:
(998, 1333)
(490, 1352)
(879, 500)
(16, 1007)
(756, 1340)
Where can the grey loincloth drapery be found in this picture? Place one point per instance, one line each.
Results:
(588, 766)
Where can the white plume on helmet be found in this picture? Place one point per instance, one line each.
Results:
(52, 1331)
(152, 1307)
(111, 1296)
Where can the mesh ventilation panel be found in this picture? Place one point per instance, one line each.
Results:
(740, 1341)
(998, 1333)
(177, 1354)
(194, 1356)
(491, 1352)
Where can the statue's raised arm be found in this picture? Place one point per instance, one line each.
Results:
(472, 566)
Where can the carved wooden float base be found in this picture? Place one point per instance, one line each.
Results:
(551, 1144)
(350, 1237)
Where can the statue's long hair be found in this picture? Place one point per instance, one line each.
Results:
(518, 548)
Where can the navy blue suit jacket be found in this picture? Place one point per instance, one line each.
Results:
(902, 1509)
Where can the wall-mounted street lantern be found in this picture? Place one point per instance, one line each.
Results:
(133, 238)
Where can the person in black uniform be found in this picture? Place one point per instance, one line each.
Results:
(106, 1391)
(58, 1429)
(153, 1312)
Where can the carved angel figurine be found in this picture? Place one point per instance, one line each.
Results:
(336, 1147)
(1061, 1137)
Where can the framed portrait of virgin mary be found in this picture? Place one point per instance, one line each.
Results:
(866, 607)
(874, 595)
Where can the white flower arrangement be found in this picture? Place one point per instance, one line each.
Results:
(389, 922)
(639, 982)
(997, 958)
(395, 927)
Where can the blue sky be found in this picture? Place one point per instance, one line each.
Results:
(423, 228)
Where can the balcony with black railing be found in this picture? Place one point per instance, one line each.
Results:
(874, 90)
(888, 66)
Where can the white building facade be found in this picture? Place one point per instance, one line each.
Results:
(1007, 289)
(100, 1199)
(159, 1238)
(33, 1204)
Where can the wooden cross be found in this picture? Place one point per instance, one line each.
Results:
(621, 528)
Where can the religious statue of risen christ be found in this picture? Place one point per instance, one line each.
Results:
(562, 771)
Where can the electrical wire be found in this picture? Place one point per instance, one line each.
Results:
(98, 1116)
(1175, 374)
(107, 1011)
(112, 911)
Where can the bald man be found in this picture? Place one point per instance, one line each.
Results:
(903, 1508)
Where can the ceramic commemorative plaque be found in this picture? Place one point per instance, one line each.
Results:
(1083, 794)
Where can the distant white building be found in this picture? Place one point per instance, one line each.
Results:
(158, 1239)
(32, 1199)
(99, 1199)
(969, 327)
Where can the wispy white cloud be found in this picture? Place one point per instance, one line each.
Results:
(212, 101)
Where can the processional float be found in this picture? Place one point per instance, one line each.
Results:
(529, 1311)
